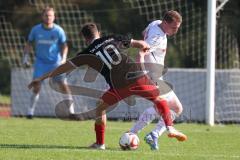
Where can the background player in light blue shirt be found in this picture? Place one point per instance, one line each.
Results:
(49, 42)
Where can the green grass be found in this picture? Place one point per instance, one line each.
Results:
(5, 99)
(53, 139)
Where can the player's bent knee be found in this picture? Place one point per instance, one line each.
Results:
(101, 120)
(102, 106)
(178, 110)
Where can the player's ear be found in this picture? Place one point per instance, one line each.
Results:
(165, 22)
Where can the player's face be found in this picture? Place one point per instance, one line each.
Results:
(48, 17)
(172, 28)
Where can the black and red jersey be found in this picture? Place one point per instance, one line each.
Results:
(111, 53)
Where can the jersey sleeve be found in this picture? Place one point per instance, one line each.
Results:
(149, 32)
(146, 30)
(31, 36)
(62, 36)
(153, 37)
(153, 40)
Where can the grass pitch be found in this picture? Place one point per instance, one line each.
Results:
(54, 139)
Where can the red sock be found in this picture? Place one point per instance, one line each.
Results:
(100, 131)
(163, 109)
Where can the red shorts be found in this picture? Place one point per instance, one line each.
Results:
(143, 87)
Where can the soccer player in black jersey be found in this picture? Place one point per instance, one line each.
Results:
(108, 56)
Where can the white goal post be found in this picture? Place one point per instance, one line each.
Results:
(211, 51)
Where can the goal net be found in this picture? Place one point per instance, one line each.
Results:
(186, 55)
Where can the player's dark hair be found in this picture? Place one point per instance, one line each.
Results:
(171, 16)
(89, 30)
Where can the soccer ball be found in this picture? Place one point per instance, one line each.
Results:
(129, 141)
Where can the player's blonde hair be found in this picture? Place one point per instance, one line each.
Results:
(171, 16)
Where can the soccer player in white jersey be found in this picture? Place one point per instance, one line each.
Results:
(156, 36)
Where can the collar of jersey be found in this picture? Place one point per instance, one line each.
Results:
(93, 40)
(47, 29)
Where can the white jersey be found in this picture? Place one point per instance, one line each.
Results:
(157, 40)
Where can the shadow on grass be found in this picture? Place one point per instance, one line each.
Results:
(38, 146)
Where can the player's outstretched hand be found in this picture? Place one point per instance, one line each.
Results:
(35, 82)
(63, 61)
(144, 52)
(25, 61)
(146, 47)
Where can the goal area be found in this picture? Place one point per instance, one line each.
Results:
(186, 56)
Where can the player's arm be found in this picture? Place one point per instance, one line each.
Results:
(64, 46)
(66, 67)
(140, 44)
(143, 46)
(26, 54)
(28, 47)
(127, 42)
(64, 52)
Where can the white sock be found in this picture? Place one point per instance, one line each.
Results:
(145, 118)
(33, 101)
(71, 105)
(161, 127)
